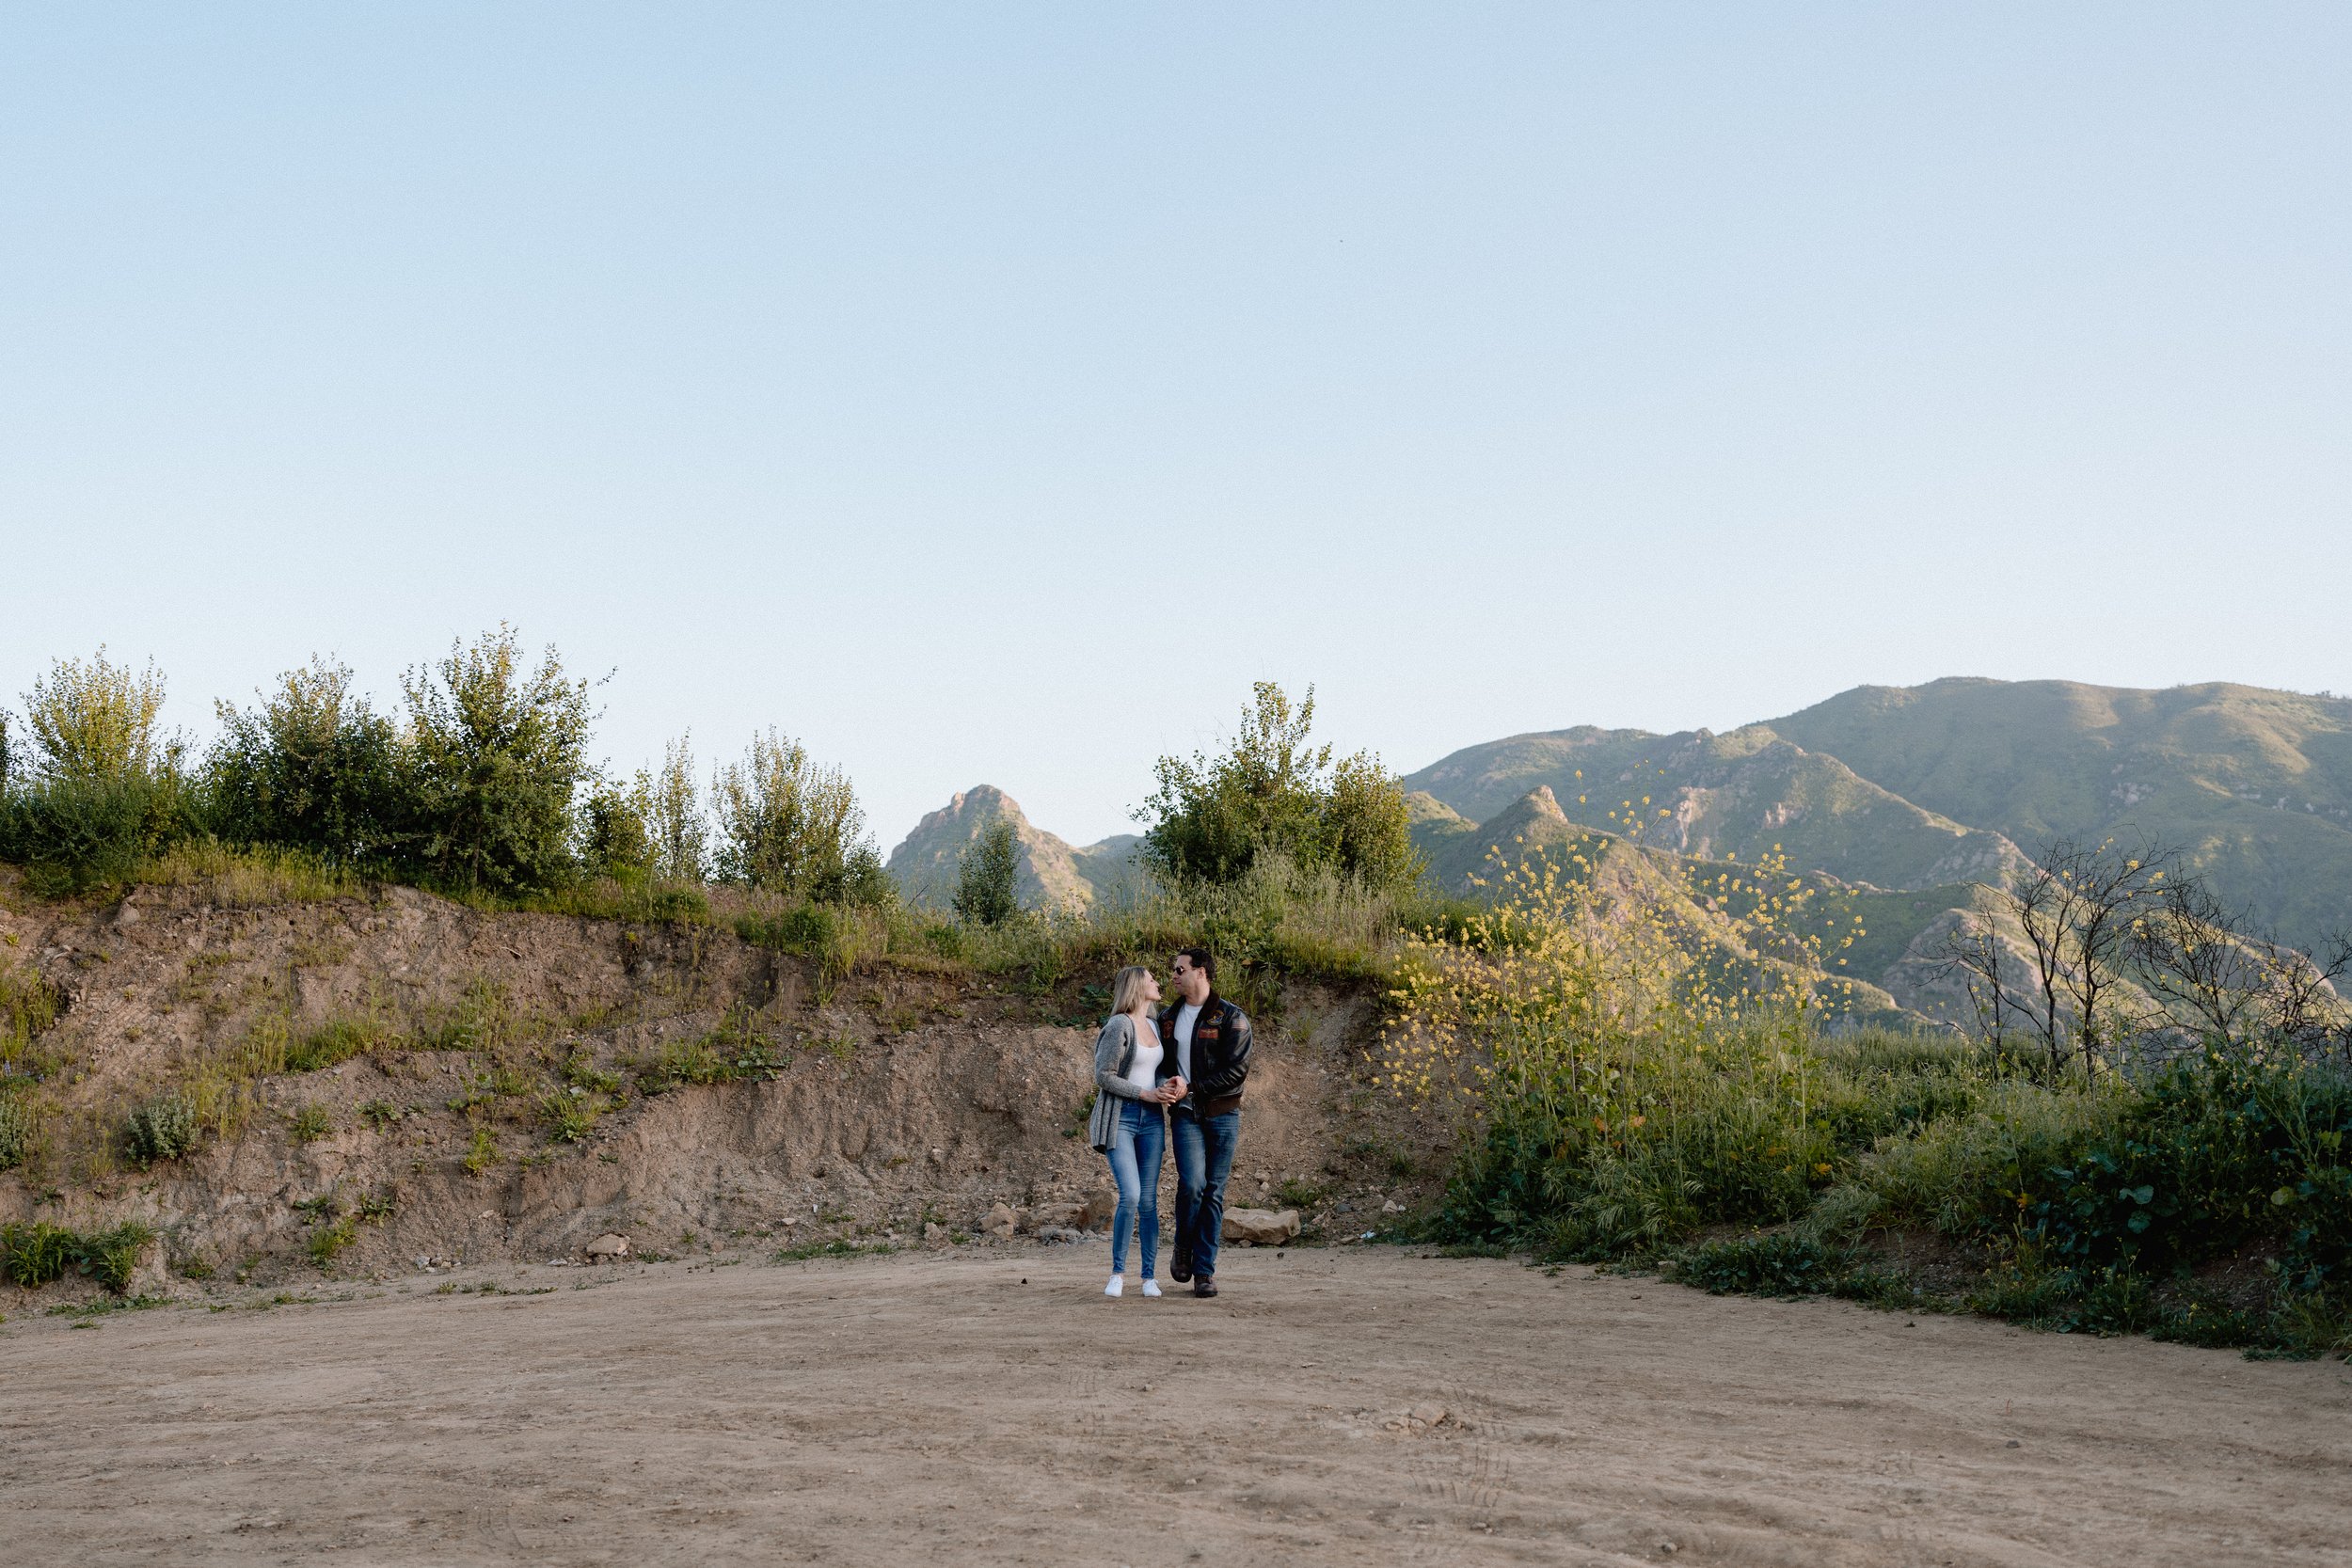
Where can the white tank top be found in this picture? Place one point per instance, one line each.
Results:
(1145, 1066)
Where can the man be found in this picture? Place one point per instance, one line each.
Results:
(1207, 1040)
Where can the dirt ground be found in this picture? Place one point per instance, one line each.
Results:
(988, 1405)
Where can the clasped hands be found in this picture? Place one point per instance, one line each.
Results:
(1169, 1092)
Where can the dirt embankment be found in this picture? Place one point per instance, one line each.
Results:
(872, 1107)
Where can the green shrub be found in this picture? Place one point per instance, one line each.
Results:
(791, 826)
(164, 1129)
(312, 768)
(615, 837)
(496, 753)
(34, 1253)
(100, 789)
(1275, 794)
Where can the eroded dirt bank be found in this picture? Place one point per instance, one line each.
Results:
(989, 1406)
(876, 1104)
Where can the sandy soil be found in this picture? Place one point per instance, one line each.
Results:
(989, 1406)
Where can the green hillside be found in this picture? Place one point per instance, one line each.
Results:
(2254, 784)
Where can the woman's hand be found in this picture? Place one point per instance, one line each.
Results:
(1172, 1091)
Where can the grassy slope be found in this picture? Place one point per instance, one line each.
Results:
(2256, 785)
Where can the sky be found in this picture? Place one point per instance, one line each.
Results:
(990, 393)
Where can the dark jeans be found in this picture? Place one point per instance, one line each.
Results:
(1204, 1158)
(1135, 1157)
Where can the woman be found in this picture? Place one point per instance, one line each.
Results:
(1128, 1124)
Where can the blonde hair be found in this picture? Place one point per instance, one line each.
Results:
(1127, 987)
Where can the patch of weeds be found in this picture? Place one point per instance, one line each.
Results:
(328, 1241)
(285, 1298)
(487, 1087)
(310, 1123)
(117, 1303)
(1295, 1193)
(581, 1071)
(485, 1152)
(838, 1247)
(194, 1266)
(730, 1054)
(2203, 1316)
(380, 1114)
(1780, 1265)
(324, 1207)
(34, 1253)
(16, 1132)
(569, 1113)
(2105, 1300)
(336, 1041)
(164, 1129)
(376, 1207)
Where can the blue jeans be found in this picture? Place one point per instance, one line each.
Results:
(1136, 1145)
(1204, 1159)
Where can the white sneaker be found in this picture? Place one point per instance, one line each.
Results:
(1116, 1287)
(1151, 1287)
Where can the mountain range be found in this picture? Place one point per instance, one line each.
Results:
(1901, 797)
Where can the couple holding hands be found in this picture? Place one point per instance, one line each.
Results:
(1161, 1074)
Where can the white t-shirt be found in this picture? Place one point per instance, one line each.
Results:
(1186, 1016)
(1145, 1066)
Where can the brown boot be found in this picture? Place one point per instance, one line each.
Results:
(1204, 1286)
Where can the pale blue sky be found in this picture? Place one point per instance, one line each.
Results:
(990, 393)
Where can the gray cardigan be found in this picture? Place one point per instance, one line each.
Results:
(1114, 1054)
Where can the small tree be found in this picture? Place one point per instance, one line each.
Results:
(986, 876)
(1276, 793)
(673, 816)
(94, 786)
(2074, 909)
(790, 825)
(311, 767)
(96, 722)
(2217, 979)
(497, 752)
(615, 837)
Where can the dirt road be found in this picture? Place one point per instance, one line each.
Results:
(993, 1407)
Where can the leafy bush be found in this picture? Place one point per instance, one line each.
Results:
(791, 826)
(1273, 794)
(496, 753)
(615, 839)
(312, 768)
(164, 1129)
(99, 788)
(987, 875)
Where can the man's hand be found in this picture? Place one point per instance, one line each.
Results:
(1172, 1091)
